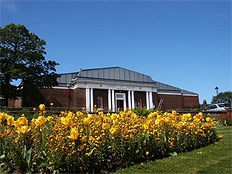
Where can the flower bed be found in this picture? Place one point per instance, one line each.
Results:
(225, 119)
(82, 142)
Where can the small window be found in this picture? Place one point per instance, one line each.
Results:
(138, 102)
(100, 102)
(212, 106)
(119, 96)
(221, 105)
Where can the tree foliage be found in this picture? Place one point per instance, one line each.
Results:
(223, 97)
(23, 58)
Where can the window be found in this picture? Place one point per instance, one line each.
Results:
(212, 106)
(100, 102)
(138, 102)
(120, 96)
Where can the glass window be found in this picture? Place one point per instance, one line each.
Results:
(221, 105)
(100, 102)
(119, 96)
(138, 102)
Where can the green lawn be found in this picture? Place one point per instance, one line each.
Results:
(215, 158)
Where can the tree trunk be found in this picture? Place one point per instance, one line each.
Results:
(6, 95)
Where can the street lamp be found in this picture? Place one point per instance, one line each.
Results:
(216, 90)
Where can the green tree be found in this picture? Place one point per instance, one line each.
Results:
(223, 97)
(23, 58)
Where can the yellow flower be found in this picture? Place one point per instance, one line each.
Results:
(66, 121)
(3, 116)
(74, 134)
(220, 136)
(10, 120)
(151, 115)
(79, 113)
(22, 121)
(157, 122)
(87, 121)
(24, 129)
(34, 109)
(40, 121)
(145, 126)
(174, 112)
(83, 139)
(42, 107)
(147, 153)
(114, 116)
(105, 126)
(208, 119)
(114, 131)
(49, 118)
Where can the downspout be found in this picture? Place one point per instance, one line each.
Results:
(69, 95)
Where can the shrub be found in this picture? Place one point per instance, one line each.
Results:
(142, 111)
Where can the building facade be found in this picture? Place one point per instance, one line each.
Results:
(112, 89)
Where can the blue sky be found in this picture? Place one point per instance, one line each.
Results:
(186, 44)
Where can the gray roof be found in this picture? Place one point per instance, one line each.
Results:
(66, 78)
(117, 74)
(114, 73)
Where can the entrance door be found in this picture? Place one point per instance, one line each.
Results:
(120, 101)
(120, 105)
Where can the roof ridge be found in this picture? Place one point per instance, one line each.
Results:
(100, 68)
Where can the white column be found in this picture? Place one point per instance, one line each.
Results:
(132, 99)
(113, 101)
(151, 101)
(109, 100)
(91, 98)
(124, 101)
(87, 100)
(129, 99)
(147, 100)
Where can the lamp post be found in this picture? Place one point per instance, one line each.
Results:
(216, 90)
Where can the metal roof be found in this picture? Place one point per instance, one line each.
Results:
(116, 74)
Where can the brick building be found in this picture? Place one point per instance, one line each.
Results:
(112, 89)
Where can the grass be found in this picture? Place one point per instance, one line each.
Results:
(215, 158)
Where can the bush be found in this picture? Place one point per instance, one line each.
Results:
(142, 111)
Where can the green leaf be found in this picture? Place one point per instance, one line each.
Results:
(24, 151)
(42, 165)
(28, 158)
(165, 138)
(2, 156)
(173, 154)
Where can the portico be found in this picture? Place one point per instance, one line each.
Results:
(119, 99)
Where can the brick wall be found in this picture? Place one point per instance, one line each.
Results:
(190, 101)
(176, 101)
(171, 101)
(59, 97)
(78, 97)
